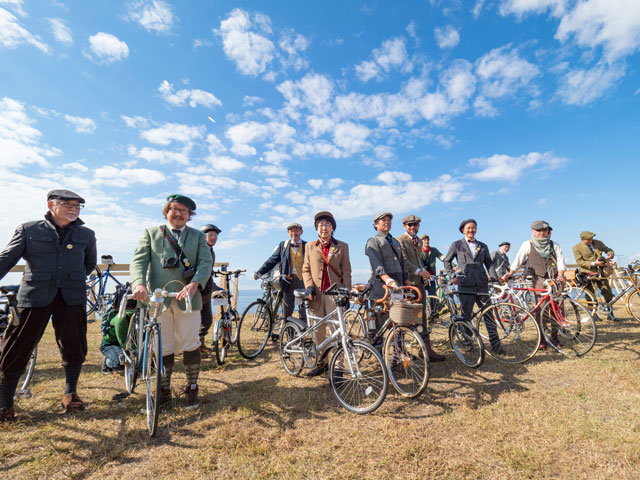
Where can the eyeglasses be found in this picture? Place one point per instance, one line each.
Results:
(68, 205)
(324, 225)
(179, 210)
(412, 224)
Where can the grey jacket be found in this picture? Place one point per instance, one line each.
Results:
(471, 271)
(384, 260)
(51, 264)
(500, 262)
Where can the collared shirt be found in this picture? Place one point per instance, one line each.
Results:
(176, 235)
(295, 247)
(472, 246)
(525, 249)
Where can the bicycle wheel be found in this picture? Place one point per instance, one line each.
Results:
(467, 343)
(364, 390)
(356, 328)
(23, 390)
(585, 298)
(633, 304)
(132, 352)
(220, 342)
(291, 356)
(253, 329)
(153, 375)
(277, 320)
(405, 355)
(438, 320)
(92, 300)
(518, 335)
(572, 331)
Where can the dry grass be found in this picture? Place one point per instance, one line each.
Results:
(552, 417)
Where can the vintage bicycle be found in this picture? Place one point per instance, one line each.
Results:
(225, 328)
(98, 299)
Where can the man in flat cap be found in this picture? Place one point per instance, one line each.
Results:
(417, 272)
(59, 253)
(590, 257)
(500, 260)
(289, 256)
(171, 252)
(385, 258)
(544, 259)
(206, 315)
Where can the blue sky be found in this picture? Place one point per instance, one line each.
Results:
(507, 111)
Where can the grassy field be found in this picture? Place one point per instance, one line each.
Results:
(552, 417)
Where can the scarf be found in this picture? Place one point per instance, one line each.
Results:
(542, 246)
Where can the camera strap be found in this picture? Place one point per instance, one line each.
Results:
(176, 248)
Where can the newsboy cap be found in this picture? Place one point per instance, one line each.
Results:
(208, 227)
(464, 222)
(293, 225)
(62, 194)
(586, 235)
(324, 216)
(411, 219)
(183, 200)
(540, 225)
(504, 243)
(380, 215)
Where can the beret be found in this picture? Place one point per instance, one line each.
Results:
(464, 222)
(186, 201)
(411, 219)
(208, 227)
(324, 215)
(62, 194)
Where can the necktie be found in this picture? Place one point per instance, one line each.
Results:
(176, 232)
(591, 248)
(415, 241)
(389, 239)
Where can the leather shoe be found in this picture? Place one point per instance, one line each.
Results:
(71, 401)
(319, 370)
(7, 414)
(191, 392)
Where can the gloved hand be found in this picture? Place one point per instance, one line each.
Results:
(310, 293)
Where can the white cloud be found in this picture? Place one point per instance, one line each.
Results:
(477, 8)
(154, 15)
(333, 183)
(170, 132)
(77, 166)
(484, 108)
(193, 97)
(224, 163)
(350, 136)
(60, 31)
(250, 50)
(392, 54)
(502, 72)
(135, 122)
(106, 48)
(293, 44)
(313, 92)
(583, 86)
(12, 34)
(124, 177)
(81, 125)
(243, 134)
(315, 182)
(162, 157)
(521, 7)
(446, 37)
(384, 152)
(390, 178)
(15, 5)
(250, 101)
(505, 167)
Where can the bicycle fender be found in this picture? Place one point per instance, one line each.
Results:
(302, 325)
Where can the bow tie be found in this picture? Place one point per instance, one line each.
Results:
(294, 244)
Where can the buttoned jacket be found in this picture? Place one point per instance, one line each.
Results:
(280, 256)
(471, 270)
(500, 262)
(412, 259)
(52, 263)
(338, 258)
(584, 256)
(385, 259)
(153, 249)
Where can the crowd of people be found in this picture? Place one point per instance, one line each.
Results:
(59, 253)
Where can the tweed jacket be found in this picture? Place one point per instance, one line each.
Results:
(500, 263)
(281, 256)
(52, 263)
(584, 256)
(153, 249)
(412, 259)
(313, 264)
(471, 269)
(384, 259)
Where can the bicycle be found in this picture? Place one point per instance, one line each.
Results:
(404, 351)
(223, 330)
(151, 368)
(98, 300)
(9, 315)
(571, 331)
(259, 318)
(357, 373)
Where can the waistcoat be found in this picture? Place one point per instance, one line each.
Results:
(539, 265)
(297, 259)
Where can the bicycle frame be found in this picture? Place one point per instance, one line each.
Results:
(101, 282)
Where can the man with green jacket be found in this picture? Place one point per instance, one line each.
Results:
(589, 255)
(177, 258)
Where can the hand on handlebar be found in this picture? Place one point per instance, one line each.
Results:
(140, 293)
(188, 290)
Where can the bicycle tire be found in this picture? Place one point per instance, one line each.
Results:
(405, 355)
(574, 334)
(153, 376)
(633, 304)
(220, 344)
(467, 344)
(254, 329)
(132, 352)
(291, 361)
(25, 379)
(438, 320)
(362, 393)
(355, 325)
(277, 319)
(92, 300)
(586, 298)
(518, 332)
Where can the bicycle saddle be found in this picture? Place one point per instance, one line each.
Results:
(9, 288)
(300, 293)
(360, 287)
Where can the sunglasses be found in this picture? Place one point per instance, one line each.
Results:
(412, 224)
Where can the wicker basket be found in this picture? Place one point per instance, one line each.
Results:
(405, 313)
(570, 274)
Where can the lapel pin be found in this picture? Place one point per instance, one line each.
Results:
(69, 246)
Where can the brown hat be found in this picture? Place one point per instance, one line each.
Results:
(540, 225)
(411, 219)
(464, 222)
(293, 225)
(324, 216)
(380, 215)
(586, 235)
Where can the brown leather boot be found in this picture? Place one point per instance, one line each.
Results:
(71, 402)
(433, 356)
(204, 350)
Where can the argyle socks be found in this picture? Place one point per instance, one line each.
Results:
(192, 366)
(167, 363)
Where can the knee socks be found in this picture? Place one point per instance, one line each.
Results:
(167, 363)
(192, 366)
(8, 385)
(71, 373)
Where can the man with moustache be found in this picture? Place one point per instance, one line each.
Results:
(59, 252)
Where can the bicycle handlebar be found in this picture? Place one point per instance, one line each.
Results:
(158, 295)
(215, 273)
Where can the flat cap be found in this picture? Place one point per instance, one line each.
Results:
(208, 227)
(62, 194)
(380, 215)
(464, 222)
(411, 219)
(293, 225)
(504, 243)
(183, 200)
(540, 225)
(586, 235)
(423, 236)
(326, 216)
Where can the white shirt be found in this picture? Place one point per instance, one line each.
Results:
(525, 249)
(171, 229)
(472, 246)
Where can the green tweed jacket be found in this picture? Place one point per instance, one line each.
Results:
(584, 256)
(153, 249)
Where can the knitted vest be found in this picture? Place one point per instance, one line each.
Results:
(297, 259)
(539, 265)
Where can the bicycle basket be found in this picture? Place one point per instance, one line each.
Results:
(404, 313)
